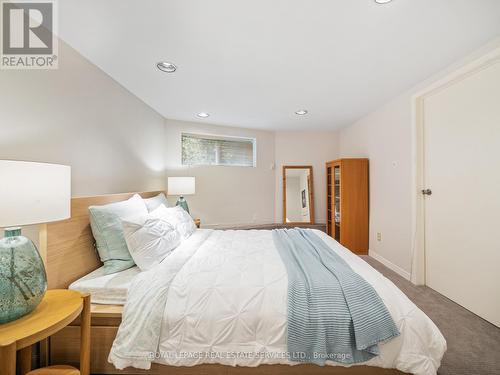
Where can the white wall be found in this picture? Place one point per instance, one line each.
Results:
(388, 138)
(385, 137)
(242, 195)
(79, 116)
(305, 148)
(226, 195)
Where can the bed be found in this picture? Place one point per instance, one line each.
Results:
(230, 296)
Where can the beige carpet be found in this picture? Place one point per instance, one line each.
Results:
(473, 343)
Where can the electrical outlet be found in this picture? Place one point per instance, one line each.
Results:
(379, 236)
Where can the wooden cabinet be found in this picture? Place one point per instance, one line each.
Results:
(347, 203)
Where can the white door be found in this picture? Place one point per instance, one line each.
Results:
(462, 168)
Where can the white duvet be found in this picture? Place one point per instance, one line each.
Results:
(221, 297)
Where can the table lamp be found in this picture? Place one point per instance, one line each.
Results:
(30, 193)
(181, 186)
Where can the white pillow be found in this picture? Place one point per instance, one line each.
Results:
(155, 202)
(178, 217)
(106, 224)
(150, 240)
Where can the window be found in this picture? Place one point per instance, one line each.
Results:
(200, 149)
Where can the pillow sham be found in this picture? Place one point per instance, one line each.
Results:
(106, 224)
(178, 217)
(150, 240)
(155, 202)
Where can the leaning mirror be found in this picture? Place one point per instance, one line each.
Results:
(298, 199)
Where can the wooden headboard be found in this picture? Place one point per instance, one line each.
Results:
(70, 245)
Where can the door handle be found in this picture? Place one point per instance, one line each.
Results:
(427, 192)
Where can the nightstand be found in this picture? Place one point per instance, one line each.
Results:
(197, 222)
(59, 307)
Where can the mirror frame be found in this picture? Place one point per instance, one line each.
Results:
(311, 194)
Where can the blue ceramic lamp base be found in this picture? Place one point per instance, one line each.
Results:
(23, 280)
(183, 203)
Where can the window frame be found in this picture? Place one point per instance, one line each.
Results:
(219, 137)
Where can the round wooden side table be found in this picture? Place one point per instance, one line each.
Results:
(59, 307)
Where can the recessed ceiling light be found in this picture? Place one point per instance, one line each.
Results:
(203, 115)
(301, 112)
(382, 1)
(166, 67)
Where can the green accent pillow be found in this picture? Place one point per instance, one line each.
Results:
(106, 224)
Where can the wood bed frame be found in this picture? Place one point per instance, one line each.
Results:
(71, 254)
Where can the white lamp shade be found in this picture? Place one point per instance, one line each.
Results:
(33, 193)
(181, 185)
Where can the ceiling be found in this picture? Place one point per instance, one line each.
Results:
(254, 63)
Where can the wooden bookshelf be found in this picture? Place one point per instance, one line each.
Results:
(347, 203)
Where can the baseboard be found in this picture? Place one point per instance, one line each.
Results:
(401, 272)
(319, 226)
(235, 225)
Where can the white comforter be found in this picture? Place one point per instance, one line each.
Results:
(221, 297)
